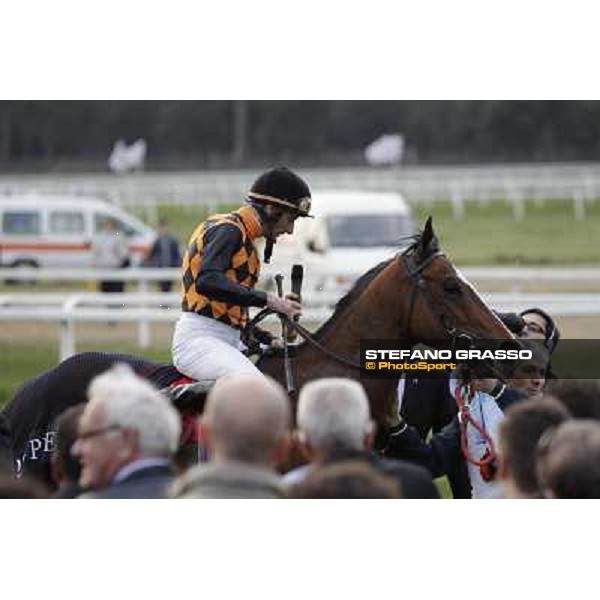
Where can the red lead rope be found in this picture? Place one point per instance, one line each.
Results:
(462, 396)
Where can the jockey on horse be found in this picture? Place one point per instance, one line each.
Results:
(220, 269)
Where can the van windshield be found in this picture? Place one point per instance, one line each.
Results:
(367, 231)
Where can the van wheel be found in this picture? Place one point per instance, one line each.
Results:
(23, 262)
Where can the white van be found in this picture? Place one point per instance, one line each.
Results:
(57, 231)
(352, 231)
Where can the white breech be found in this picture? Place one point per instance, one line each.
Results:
(205, 349)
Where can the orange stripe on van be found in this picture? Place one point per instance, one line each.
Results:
(56, 246)
(43, 246)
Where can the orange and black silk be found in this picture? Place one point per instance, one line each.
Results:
(221, 267)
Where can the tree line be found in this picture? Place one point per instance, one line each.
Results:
(214, 134)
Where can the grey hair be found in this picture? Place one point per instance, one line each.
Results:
(333, 413)
(133, 403)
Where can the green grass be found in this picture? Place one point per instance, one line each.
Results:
(488, 234)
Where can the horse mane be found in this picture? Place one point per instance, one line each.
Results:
(360, 285)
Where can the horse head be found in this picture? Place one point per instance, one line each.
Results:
(441, 302)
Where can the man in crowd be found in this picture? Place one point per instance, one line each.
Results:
(518, 438)
(110, 251)
(127, 435)
(246, 430)
(334, 425)
(568, 463)
(164, 253)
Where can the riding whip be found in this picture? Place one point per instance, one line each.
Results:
(297, 277)
(289, 376)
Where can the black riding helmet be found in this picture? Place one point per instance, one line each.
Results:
(283, 189)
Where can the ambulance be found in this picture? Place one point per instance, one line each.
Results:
(57, 231)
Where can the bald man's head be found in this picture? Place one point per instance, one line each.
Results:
(247, 418)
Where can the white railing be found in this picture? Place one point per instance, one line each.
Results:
(145, 276)
(145, 308)
(579, 182)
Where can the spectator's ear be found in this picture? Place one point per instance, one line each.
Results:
(130, 446)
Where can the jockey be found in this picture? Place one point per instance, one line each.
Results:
(220, 269)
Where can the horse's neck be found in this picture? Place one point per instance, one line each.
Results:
(377, 313)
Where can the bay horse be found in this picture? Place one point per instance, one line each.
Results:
(415, 296)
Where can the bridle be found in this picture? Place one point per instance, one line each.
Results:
(416, 275)
(419, 284)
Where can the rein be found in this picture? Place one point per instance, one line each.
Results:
(419, 284)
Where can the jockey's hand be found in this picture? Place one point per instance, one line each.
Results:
(285, 306)
(276, 343)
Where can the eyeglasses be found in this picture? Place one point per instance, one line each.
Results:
(535, 328)
(86, 435)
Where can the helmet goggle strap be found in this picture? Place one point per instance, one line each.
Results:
(302, 207)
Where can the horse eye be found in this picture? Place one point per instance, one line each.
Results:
(452, 287)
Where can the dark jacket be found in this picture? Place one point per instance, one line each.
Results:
(157, 257)
(146, 483)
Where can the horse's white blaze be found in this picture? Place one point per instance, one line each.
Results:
(472, 288)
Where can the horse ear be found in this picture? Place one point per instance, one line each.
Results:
(428, 234)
